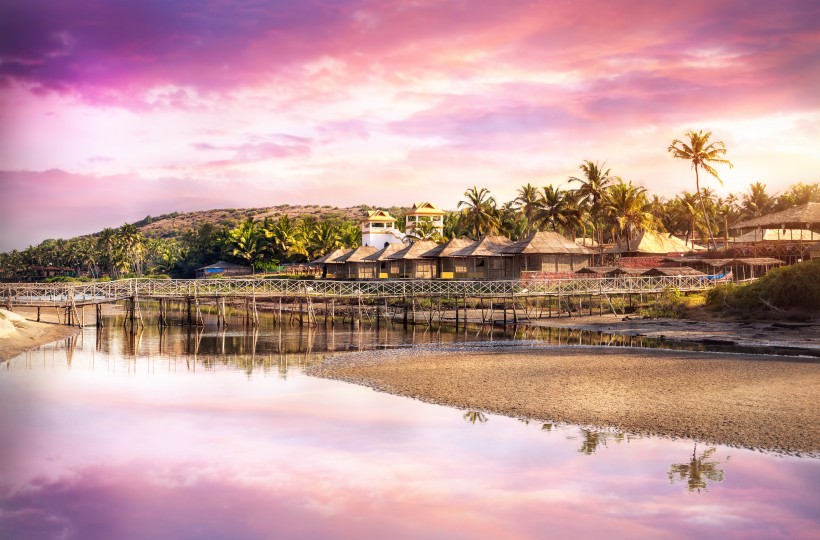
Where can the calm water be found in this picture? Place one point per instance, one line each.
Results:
(221, 435)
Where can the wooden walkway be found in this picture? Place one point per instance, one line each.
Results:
(78, 294)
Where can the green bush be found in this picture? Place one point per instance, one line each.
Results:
(670, 304)
(794, 287)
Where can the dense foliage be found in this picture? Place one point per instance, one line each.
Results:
(789, 288)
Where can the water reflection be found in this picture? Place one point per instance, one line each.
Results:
(219, 434)
(474, 416)
(698, 470)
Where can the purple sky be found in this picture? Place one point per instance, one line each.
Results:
(110, 111)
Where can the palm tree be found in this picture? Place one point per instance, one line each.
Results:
(756, 202)
(557, 211)
(527, 202)
(325, 240)
(697, 471)
(479, 212)
(594, 185)
(629, 209)
(248, 242)
(511, 221)
(702, 154)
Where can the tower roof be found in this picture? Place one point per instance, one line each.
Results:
(382, 216)
(425, 209)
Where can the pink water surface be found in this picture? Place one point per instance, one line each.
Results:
(98, 442)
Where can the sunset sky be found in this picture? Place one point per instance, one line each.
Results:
(113, 110)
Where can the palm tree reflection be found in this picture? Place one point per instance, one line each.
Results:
(593, 439)
(475, 416)
(699, 469)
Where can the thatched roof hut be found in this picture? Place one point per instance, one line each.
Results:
(410, 263)
(776, 235)
(547, 252)
(442, 253)
(380, 261)
(673, 271)
(222, 268)
(652, 243)
(482, 259)
(328, 262)
(804, 216)
(354, 265)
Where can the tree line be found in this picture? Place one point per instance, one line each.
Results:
(598, 205)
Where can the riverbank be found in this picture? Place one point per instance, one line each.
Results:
(759, 402)
(785, 334)
(18, 335)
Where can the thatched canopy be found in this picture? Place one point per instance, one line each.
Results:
(596, 270)
(586, 242)
(673, 271)
(448, 248)
(652, 243)
(357, 255)
(489, 246)
(806, 215)
(776, 235)
(546, 242)
(331, 257)
(414, 251)
(384, 253)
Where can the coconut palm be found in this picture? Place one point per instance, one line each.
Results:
(629, 210)
(594, 184)
(703, 154)
(479, 212)
(697, 471)
(756, 202)
(527, 202)
(248, 242)
(557, 211)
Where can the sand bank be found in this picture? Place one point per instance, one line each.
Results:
(803, 335)
(760, 402)
(17, 335)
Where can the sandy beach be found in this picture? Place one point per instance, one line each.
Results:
(18, 335)
(760, 402)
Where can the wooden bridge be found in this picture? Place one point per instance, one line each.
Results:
(71, 296)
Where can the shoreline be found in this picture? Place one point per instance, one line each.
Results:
(708, 397)
(19, 335)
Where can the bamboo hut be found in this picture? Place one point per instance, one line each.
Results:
(381, 262)
(354, 265)
(618, 271)
(222, 268)
(328, 262)
(595, 271)
(482, 259)
(443, 256)
(410, 263)
(546, 252)
(652, 243)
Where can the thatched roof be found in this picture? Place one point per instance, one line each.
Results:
(805, 215)
(385, 252)
(331, 257)
(425, 208)
(447, 248)
(546, 242)
(719, 263)
(382, 216)
(652, 243)
(626, 271)
(215, 266)
(774, 235)
(413, 251)
(586, 242)
(674, 271)
(489, 246)
(597, 270)
(357, 255)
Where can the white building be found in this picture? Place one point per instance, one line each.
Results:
(424, 212)
(379, 229)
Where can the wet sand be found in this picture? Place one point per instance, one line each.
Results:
(18, 335)
(761, 402)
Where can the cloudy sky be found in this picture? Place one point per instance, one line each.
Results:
(113, 110)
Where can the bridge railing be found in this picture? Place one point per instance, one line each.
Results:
(96, 292)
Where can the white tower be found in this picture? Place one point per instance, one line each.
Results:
(379, 229)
